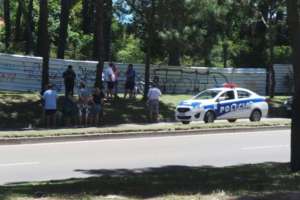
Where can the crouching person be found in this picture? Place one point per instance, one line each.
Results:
(97, 106)
(70, 110)
(49, 97)
(153, 103)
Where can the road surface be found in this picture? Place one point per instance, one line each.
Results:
(53, 161)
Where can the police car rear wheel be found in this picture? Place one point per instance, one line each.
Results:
(209, 117)
(185, 122)
(232, 120)
(255, 116)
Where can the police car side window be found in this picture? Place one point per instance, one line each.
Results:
(243, 94)
(229, 95)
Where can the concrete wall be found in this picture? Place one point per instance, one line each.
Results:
(23, 73)
(284, 78)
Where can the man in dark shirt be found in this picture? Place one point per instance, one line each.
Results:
(69, 80)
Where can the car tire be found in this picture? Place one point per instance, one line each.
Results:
(209, 117)
(255, 116)
(231, 120)
(185, 122)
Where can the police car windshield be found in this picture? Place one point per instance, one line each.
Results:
(207, 94)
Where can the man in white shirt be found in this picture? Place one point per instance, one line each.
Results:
(153, 103)
(109, 78)
(49, 98)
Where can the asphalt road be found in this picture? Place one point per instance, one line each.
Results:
(52, 161)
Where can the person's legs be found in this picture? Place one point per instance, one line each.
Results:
(53, 117)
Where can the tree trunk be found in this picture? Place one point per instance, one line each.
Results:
(294, 28)
(29, 29)
(107, 30)
(43, 42)
(87, 16)
(148, 41)
(225, 54)
(174, 57)
(98, 41)
(63, 28)
(18, 21)
(7, 23)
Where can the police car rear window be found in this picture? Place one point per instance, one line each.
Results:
(207, 94)
(243, 94)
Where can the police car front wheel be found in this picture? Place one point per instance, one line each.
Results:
(255, 116)
(209, 117)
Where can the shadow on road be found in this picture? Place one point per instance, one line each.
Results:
(260, 181)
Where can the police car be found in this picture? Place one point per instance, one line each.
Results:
(227, 102)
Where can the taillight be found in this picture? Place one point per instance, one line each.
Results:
(268, 100)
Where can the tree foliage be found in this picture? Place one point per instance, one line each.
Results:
(219, 33)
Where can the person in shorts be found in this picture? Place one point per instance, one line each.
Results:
(153, 103)
(117, 72)
(130, 81)
(49, 98)
(109, 78)
(97, 105)
(83, 104)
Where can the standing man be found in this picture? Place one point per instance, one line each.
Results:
(49, 98)
(109, 78)
(116, 82)
(69, 80)
(130, 81)
(153, 103)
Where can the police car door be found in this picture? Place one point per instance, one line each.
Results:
(244, 101)
(227, 105)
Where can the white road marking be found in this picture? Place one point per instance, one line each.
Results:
(265, 147)
(18, 164)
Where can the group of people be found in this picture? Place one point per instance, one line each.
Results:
(87, 108)
(111, 77)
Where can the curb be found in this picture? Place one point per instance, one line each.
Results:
(105, 136)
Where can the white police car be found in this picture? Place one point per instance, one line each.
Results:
(228, 102)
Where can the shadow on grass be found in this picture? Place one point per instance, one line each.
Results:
(241, 181)
(17, 112)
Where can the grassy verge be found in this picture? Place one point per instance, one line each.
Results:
(139, 128)
(19, 110)
(266, 181)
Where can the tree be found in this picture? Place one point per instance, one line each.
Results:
(7, 23)
(294, 28)
(87, 16)
(29, 29)
(43, 42)
(19, 20)
(98, 50)
(108, 15)
(63, 29)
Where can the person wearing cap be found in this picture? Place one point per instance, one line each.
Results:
(153, 103)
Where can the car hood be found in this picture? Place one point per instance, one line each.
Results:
(194, 103)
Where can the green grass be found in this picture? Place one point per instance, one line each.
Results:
(264, 181)
(18, 110)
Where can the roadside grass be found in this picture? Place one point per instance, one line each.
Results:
(20, 110)
(140, 129)
(265, 181)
